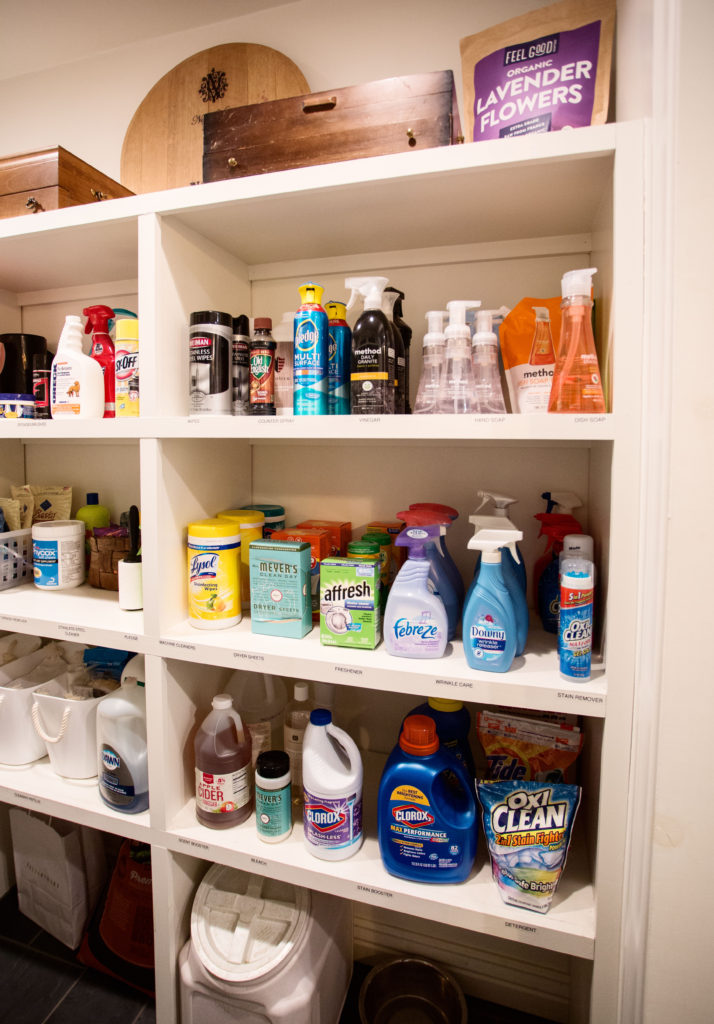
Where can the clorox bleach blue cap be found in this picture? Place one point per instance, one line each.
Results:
(320, 716)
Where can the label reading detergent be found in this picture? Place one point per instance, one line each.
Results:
(414, 838)
(332, 824)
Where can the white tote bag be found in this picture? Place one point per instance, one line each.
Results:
(60, 870)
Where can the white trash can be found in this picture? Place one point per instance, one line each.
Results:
(264, 952)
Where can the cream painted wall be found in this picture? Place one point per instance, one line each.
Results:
(86, 106)
(679, 981)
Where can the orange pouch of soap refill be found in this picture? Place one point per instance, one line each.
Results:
(516, 339)
(541, 72)
(320, 545)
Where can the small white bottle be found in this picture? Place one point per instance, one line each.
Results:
(77, 381)
(297, 718)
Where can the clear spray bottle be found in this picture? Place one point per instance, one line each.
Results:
(434, 357)
(488, 393)
(457, 388)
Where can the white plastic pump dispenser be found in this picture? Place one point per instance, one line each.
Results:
(457, 388)
(77, 381)
(488, 393)
(577, 282)
(433, 363)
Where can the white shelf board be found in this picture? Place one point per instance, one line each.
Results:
(569, 926)
(84, 615)
(71, 428)
(37, 787)
(535, 186)
(533, 681)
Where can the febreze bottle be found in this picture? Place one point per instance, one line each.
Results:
(340, 354)
(452, 515)
(426, 809)
(310, 354)
(439, 576)
(415, 620)
(373, 364)
(489, 623)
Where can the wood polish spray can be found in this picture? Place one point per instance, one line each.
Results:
(311, 335)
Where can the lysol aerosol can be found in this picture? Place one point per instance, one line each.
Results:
(340, 355)
(210, 348)
(310, 355)
(126, 367)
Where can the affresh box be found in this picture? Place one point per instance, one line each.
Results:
(340, 533)
(319, 541)
(349, 603)
(280, 600)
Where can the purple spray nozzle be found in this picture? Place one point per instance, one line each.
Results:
(417, 537)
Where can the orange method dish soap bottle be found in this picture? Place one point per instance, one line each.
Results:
(577, 384)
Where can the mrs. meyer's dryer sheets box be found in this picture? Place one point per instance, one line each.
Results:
(540, 72)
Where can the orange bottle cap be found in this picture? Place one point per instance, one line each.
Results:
(419, 736)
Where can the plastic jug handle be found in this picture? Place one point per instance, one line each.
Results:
(240, 728)
(348, 745)
(41, 732)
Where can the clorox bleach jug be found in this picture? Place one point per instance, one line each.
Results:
(332, 783)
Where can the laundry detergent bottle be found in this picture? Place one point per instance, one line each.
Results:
(415, 621)
(332, 789)
(439, 575)
(453, 725)
(490, 633)
(426, 823)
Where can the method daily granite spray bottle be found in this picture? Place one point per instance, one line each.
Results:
(373, 365)
(311, 354)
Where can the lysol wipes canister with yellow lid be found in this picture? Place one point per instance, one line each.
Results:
(214, 574)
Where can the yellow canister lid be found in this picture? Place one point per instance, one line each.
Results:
(127, 329)
(247, 518)
(213, 528)
(444, 704)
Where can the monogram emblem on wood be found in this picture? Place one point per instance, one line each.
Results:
(213, 86)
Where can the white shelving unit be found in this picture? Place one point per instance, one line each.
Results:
(499, 220)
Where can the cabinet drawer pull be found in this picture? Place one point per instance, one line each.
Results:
(34, 205)
(317, 103)
(98, 194)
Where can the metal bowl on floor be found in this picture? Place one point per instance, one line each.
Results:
(410, 990)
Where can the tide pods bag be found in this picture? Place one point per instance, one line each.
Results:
(528, 826)
(540, 72)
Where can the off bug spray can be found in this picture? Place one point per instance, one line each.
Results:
(340, 355)
(310, 354)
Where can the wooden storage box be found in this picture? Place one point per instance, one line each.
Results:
(391, 116)
(50, 179)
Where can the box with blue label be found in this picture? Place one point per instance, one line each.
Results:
(280, 602)
(349, 603)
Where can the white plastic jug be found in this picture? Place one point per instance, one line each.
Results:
(264, 952)
(121, 745)
(260, 700)
(64, 714)
(332, 787)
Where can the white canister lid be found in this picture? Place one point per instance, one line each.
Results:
(243, 926)
(58, 528)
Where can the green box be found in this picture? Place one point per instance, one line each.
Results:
(280, 603)
(349, 603)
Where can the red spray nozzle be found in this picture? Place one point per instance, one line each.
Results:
(98, 318)
(423, 517)
(556, 526)
(432, 506)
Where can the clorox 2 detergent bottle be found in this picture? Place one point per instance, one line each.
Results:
(426, 822)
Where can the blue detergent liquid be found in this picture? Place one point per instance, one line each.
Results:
(427, 824)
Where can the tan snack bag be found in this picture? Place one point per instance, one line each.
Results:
(540, 72)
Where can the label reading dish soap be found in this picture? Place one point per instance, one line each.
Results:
(415, 838)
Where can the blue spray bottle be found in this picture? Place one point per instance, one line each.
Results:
(452, 515)
(338, 400)
(438, 573)
(501, 503)
(489, 622)
(310, 354)
(415, 620)
(509, 570)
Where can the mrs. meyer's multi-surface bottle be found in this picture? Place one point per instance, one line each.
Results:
(224, 775)
(373, 367)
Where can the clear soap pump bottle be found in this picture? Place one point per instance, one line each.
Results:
(433, 359)
(488, 393)
(577, 385)
(457, 387)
